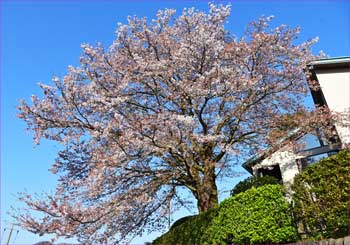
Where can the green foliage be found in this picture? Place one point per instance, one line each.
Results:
(258, 215)
(253, 181)
(322, 197)
(182, 220)
(189, 231)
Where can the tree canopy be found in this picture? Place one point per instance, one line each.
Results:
(170, 105)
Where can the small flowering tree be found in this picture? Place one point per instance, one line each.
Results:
(169, 106)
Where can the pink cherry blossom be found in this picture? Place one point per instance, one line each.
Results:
(171, 105)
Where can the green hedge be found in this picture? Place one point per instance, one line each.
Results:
(188, 230)
(182, 220)
(253, 181)
(322, 198)
(259, 215)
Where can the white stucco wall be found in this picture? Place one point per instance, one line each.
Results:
(335, 85)
(286, 160)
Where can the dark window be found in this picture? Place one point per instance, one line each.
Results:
(273, 171)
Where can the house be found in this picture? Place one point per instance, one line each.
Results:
(333, 78)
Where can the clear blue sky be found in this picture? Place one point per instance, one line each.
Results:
(40, 39)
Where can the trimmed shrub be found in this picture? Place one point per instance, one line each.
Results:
(188, 230)
(253, 181)
(322, 198)
(258, 215)
(182, 220)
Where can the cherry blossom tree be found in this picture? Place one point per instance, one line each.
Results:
(169, 106)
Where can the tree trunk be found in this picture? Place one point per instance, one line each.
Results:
(207, 192)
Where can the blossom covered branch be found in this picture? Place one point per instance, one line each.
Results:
(169, 106)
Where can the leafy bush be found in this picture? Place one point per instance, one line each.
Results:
(188, 230)
(182, 220)
(322, 197)
(253, 181)
(258, 215)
